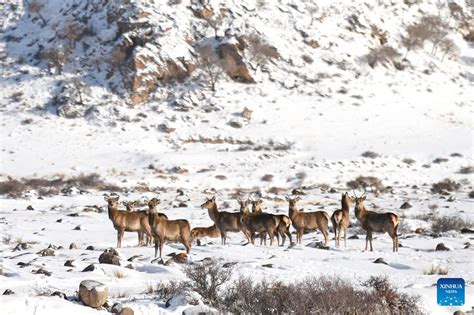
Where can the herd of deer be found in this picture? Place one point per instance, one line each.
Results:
(154, 226)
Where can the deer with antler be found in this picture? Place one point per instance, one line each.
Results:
(125, 221)
(307, 220)
(340, 218)
(376, 222)
(225, 221)
(282, 222)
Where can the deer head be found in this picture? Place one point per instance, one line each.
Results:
(112, 201)
(209, 203)
(292, 201)
(153, 203)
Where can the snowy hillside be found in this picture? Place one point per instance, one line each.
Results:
(189, 99)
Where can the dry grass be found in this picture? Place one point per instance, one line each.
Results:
(118, 274)
(45, 187)
(466, 170)
(365, 182)
(449, 223)
(444, 186)
(436, 270)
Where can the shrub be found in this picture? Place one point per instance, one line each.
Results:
(370, 154)
(364, 182)
(445, 185)
(466, 170)
(324, 295)
(436, 270)
(166, 290)
(440, 160)
(207, 277)
(409, 161)
(449, 223)
(382, 55)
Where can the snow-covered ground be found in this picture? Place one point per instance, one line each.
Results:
(309, 125)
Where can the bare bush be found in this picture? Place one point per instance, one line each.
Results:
(449, 223)
(166, 290)
(382, 55)
(260, 52)
(56, 57)
(466, 170)
(448, 47)
(325, 295)
(74, 31)
(364, 182)
(210, 65)
(370, 154)
(430, 28)
(207, 278)
(409, 161)
(35, 7)
(444, 186)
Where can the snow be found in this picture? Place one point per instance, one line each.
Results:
(327, 112)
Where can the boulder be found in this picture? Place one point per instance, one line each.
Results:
(126, 311)
(110, 256)
(93, 293)
(8, 292)
(406, 205)
(91, 267)
(73, 246)
(69, 263)
(380, 261)
(441, 247)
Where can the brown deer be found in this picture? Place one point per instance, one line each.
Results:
(152, 207)
(376, 222)
(164, 230)
(307, 220)
(340, 218)
(282, 222)
(263, 223)
(127, 221)
(130, 205)
(200, 232)
(225, 221)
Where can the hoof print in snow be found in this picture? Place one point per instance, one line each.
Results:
(59, 294)
(91, 267)
(110, 256)
(406, 205)
(441, 247)
(93, 293)
(73, 246)
(380, 261)
(8, 292)
(90, 247)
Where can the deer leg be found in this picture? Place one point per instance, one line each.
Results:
(278, 238)
(345, 237)
(140, 238)
(162, 241)
(223, 237)
(300, 235)
(156, 247)
(188, 247)
(283, 238)
(370, 240)
(119, 238)
(287, 232)
(394, 241)
(326, 235)
(367, 240)
(336, 238)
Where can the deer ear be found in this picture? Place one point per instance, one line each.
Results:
(106, 198)
(298, 198)
(213, 198)
(260, 201)
(363, 198)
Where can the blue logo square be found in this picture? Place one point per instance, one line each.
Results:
(451, 291)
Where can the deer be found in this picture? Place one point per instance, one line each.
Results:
(376, 222)
(263, 223)
(302, 221)
(225, 221)
(200, 232)
(282, 222)
(130, 205)
(340, 218)
(164, 230)
(127, 221)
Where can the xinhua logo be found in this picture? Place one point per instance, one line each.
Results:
(451, 291)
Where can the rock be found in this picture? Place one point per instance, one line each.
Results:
(69, 263)
(134, 257)
(59, 294)
(110, 256)
(126, 311)
(184, 298)
(353, 237)
(180, 258)
(441, 247)
(8, 292)
(77, 228)
(406, 205)
(246, 113)
(90, 247)
(73, 246)
(130, 266)
(21, 246)
(42, 271)
(268, 265)
(467, 231)
(317, 244)
(420, 230)
(380, 261)
(47, 252)
(93, 293)
(30, 207)
(459, 313)
(234, 64)
(116, 308)
(91, 267)
(59, 220)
